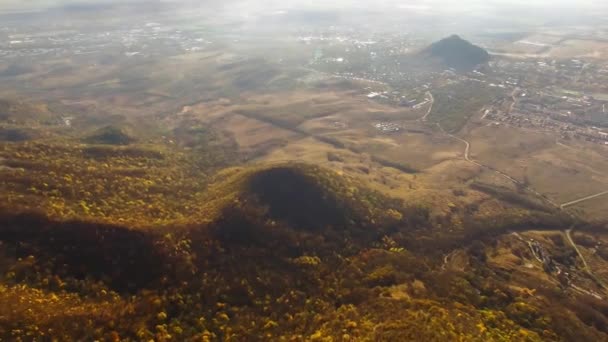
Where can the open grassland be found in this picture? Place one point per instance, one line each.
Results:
(559, 45)
(594, 209)
(419, 150)
(575, 48)
(560, 172)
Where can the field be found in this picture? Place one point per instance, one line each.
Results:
(555, 45)
(573, 48)
(456, 103)
(560, 172)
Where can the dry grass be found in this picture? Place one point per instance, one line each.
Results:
(580, 48)
(564, 174)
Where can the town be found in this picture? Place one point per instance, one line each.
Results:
(141, 40)
(567, 97)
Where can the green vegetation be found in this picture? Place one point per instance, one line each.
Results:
(394, 164)
(457, 53)
(456, 103)
(16, 134)
(110, 135)
(139, 185)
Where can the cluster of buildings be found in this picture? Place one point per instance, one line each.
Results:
(537, 97)
(364, 55)
(387, 127)
(137, 40)
(563, 273)
(534, 90)
(570, 116)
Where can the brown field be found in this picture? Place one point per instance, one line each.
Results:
(277, 114)
(252, 134)
(556, 45)
(419, 150)
(561, 173)
(594, 209)
(580, 48)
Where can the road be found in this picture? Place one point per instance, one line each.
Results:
(467, 151)
(564, 145)
(583, 199)
(580, 74)
(565, 205)
(585, 265)
(428, 93)
(514, 100)
(580, 255)
(351, 78)
(467, 157)
(560, 206)
(446, 259)
(518, 55)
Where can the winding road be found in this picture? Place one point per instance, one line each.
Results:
(467, 157)
(446, 259)
(585, 265)
(562, 206)
(580, 255)
(514, 100)
(432, 100)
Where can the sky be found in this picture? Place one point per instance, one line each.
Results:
(372, 4)
(560, 3)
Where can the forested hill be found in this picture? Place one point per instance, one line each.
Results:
(457, 53)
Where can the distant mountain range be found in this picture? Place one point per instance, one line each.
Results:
(457, 53)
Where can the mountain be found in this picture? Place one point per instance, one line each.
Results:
(292, 252)
(457, 53)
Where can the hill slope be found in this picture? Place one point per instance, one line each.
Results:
(455, 52)
(292, 252)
